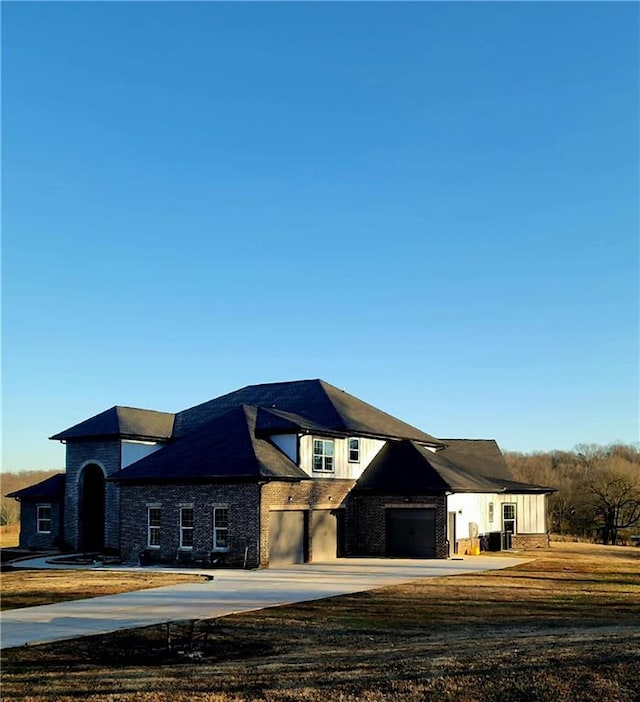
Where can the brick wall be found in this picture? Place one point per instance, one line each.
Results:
(304, 495)
(242, 500)
(29, 536)
(366, 527)
(107, 455)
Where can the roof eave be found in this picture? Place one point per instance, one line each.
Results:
(104, 437)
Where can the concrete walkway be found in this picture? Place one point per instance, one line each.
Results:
(229, 592)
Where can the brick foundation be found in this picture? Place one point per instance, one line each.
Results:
(530, 541)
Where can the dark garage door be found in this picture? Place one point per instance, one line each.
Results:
(411, 533)
(287, 537)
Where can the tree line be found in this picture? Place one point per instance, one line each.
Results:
(597, 489)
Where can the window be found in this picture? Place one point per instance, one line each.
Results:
(490, 512)
(186, 527)
(354, 450)
(509, 518)
(220, 528)
(153, 527)
(44, 519)
(322, 456)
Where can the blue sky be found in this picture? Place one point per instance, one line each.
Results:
(431, 205)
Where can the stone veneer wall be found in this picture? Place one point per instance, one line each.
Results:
(366, 524)
(107, 455)
(304, 495)
(242, 500)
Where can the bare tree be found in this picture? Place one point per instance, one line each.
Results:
(598, 488)
(615, 492)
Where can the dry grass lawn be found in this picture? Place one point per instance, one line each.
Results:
(562, 628)
(28, 588)
(9, 535)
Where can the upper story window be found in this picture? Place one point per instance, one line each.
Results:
(186, 527)
(323, 455)
(44, 519)
(153, 527)
(354, 450)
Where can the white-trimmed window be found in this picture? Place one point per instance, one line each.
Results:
(221, 528)
(354, 450)
(154, 515)
(490, 512)
(509, 517)
(44, 519)
(186, 527)
(323, 455)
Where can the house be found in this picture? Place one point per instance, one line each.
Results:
(277, 473)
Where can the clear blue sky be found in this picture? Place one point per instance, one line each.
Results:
(431, 205)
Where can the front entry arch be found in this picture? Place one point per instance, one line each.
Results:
(91, 494)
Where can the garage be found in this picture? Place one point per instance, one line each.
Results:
(411, 532)
(323, 529)
(287, 532)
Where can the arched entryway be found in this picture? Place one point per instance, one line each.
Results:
(91, 494)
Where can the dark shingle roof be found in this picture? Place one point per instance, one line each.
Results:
(274, 421)
(313, 400)
(408, 468)
(51, 489)
(123, 422)
(479, 456)
(224, 447)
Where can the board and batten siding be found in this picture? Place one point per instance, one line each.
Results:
(342, 468)
(473, 508)
(132, 451)
(531, 512)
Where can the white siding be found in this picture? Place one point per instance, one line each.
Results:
(288, 444)
(530, 513)
(132, 451)
(473, 508)
(369, 448)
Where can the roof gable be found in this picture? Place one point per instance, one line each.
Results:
(406, 467)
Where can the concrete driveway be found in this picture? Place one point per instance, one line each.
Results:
(229, 592)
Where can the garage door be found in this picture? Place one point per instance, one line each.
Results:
(411, 533)
(324, 535)
(287, 537)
